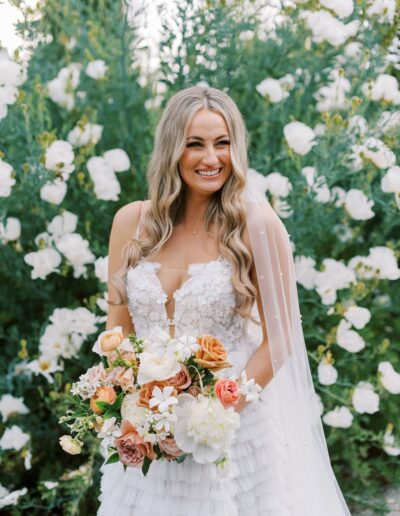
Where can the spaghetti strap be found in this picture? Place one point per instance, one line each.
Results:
(140, 220)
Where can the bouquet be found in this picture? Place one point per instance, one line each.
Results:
(157, 399)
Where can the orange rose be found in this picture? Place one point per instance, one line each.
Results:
(106, 394)
(146, 392)
(211, 354)
(181, 380)
(110, 340)
(227, 391)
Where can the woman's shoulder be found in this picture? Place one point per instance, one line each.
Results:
(126, 219)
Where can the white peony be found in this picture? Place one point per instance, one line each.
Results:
(10, 405)
(390, 182)
(305, 271)
(156, 367)
(101, 268)
(6, 181)
(132, 412)
(376, 151)
(333, 96)
(365, 400)
(14, 439)
(334, 276)
(389, 378)
(63, 224)
(61, 89)
(54, 191)
(341, 8)
(357, 316)
(10, 497)
(44, 262)
(204, 427)
(299, 137)
(384, 262)
(272, 89)
(77, 252)
(257, 182)
(59, 157)
(106, 185)
(96, 69)
(327, 374)
(349, 339)
(385, 87)
(384, 9)
(85, 134)
(358, 206)
(339, 417)
(117, 159)
(278, 185)
(10, 230)
(325, 27)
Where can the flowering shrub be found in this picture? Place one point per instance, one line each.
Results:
(317, 83)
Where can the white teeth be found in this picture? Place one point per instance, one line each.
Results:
(209, 172)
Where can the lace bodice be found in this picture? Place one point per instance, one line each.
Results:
(203, 304)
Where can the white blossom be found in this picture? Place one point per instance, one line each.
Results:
(365, 400)
(384, 262)
(63, 224)
(385, 87)
(117, 159)
(358, 124)
(390, 182)
(384, 9)
(162, 399)
(77, 252)
(333, 96)
(349, 339)
(376, 151)
(388, 120)
(278, 185)
(339, 417)
(61, 89)
(10, 230)
(106, 185)
(70, 445)
(316, 184)
(257, 182)
(101, 268)
(334, 276)
(249, 388)
(10, 497)
(327, 373)
(10, 405)
(358, 206)
(59, 157)
(96, 69)
(44, 366)
(6, 181)
(353, 49)
(44, 262)
(357, 316)
(14, 439)
(275, 89)
(325, 27)
(299, 137)
(85, 134)
(341, 8)
(305, 271)
(184, 347)
(156, 367)
(54, 191)
(389, 378)
(389, 445)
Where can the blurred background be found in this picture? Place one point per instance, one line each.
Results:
(82, 86)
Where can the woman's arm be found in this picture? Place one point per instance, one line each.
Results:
(123, 229)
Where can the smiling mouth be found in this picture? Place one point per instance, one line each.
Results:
(209, 173)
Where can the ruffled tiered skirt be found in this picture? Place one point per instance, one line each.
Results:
(254, 485)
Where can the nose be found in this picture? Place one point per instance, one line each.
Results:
(210, 156)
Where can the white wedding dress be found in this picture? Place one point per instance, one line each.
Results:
(256, 483)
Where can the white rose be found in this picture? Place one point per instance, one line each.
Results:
(365, 400)
(299, 137)
(390, 182)
(272, 89)
(6, 181)
(131, 411)
(76, 250)
(378, 153)
(278, 185)
(63, 224)
(14, 439)
(349, 339)
(384, 9)
(358, 206)
(83, 321)
(44, 262)
(9, 406)
(117, 159)
(258, 182)
(384, 262)
(54, 191)
(358, 316)
(60, 87)
(10, 231)
(70, 445)
(156, 367)
(325, 27)
(389, 378)
(334, 276)
(305, 271)
(101, 268)
(11, 73)
(385, 87)
(327, 374)
(96, 69)
(88, 134)
(342, 8)
(59, 156)
(106, 185)
(340, 417)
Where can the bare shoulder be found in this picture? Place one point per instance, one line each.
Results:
(127, 217)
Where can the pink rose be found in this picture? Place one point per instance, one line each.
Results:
(131, 448)
(227, 391)
(170, 448)
(181, 380)
(122, 377)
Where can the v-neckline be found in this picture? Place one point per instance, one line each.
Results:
(158, 265)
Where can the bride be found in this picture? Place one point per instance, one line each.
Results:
(207, 254)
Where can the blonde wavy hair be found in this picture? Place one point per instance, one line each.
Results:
(166, 191)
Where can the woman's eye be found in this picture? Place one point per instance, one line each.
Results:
(224, 142)
(193, 144)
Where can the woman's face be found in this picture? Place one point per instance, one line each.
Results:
(206, 164)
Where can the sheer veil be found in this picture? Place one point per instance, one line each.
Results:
(309, 473)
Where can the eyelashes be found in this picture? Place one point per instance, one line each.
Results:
(198, 144)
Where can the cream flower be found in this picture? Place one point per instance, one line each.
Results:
(117, 159)
(96, 69)
(10, 231)
(70, 445)
(14, 439)
(299, 137)
(6, 181)
(54, 191)
(365, 400)
(327, 374)
(358, 316)
(389, 378)
(44, 262)
(339, 417)
(10, 406)
(358, 206)
(155, 367)
(349, 339)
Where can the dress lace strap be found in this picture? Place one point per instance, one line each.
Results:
(139, 227)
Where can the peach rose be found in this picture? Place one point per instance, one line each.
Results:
(227, 391)
(170, 448)
(131, 448)
(211, 354)
(106, 394)
(122, 377)
(146, 392)
(181, 380)
(110, 340)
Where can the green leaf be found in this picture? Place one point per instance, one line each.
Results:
(146, 465)
(113, 458)
(180, 459)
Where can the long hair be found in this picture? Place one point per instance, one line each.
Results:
(166, 190)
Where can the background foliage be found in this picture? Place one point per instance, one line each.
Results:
(232, 46)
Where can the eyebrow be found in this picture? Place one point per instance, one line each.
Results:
(202, 139)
